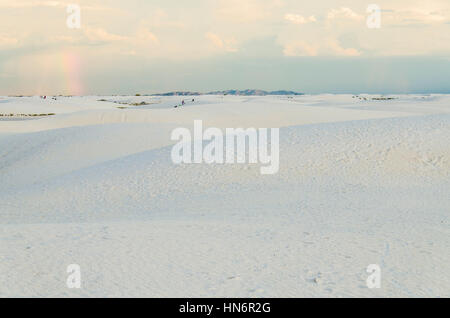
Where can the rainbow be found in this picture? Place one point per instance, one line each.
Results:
(71, 66)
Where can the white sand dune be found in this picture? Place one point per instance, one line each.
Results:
(360, 182)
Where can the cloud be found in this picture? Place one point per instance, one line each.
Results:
(8, 42)
(141, 38)
(298, 19)
(344, 13)
(161, 19)
(300, 48)
(155, 29)
(247, 10)
(18, 4)
(31, 4)
(331, 47)
(101, 35)
(338, 50)
(145, 36)
(228, 45)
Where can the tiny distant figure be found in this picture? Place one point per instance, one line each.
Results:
(193, 100)
(182, 102)
(45, 97)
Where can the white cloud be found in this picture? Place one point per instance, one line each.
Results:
(30, 4)
(329, 48)
(8, 42)
(145, 36)
(162, 29)
(228, 45)
(161, 19)
(247, 10)
(300, 48)
(101, 35)
(344, 13)
(141, 38)
(298, 19)
(20, 4)
(337, 49)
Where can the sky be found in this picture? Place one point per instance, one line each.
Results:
(151, 46)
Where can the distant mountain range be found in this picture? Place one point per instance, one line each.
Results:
(235, 92)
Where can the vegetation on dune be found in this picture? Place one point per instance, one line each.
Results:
(143, 103)
(374, 98)
(27, 115)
